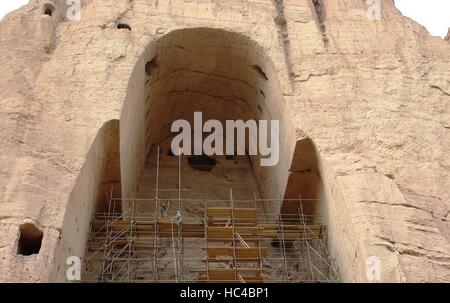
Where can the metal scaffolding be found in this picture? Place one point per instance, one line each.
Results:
(225, 243)
(230, 241)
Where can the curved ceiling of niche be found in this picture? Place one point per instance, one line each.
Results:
(220, 73)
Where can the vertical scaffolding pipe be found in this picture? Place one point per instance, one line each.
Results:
(155, 249)
(174, 255)
(180, 226)
(113, 238)
(131, 240)
(156, 225)
(258, 235)
(86, 253)
(106, 239)
(157, 182)
(234, 237)
(181, 252)
(205, 231)
(283, 245)
(179, 180)
(305, 234)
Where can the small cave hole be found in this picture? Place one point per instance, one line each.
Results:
(390, 176)
(260, 71)
(202, 163)
(151, 66)
(48, 10)
(123, 26)
(30, 240)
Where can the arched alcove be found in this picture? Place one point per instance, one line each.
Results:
(98, 180)
(304, 183)
(223, 75)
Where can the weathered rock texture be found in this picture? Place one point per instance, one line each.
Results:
(373, 97)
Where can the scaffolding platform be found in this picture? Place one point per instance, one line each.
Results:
(236, 245)
(228, 241)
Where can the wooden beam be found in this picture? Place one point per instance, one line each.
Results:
(196, 230)
(241, 252)
(227, 212)
(220, 233)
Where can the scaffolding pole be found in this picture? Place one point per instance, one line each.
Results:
(156, 235)
(131, 247)
(107, 234)
(259, 240)
(131, 241)
(235, 266)
(283, 247)
(305, 233)
(205, 228)
(180, 226)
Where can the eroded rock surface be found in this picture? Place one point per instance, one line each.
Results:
(374, 96)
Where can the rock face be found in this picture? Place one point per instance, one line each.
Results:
(372, 95)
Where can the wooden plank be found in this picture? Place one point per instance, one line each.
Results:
(220, 233)
(241, 252)
(237, 222)
(314, 227)
(196, 230)
(192, 227)
(166, 225)
(245, 213)
(230, 240)
(227, 261)
(218, 212)
(288, 235)
(247, 231)
(226, 212)
(227, 232)
(219, 251)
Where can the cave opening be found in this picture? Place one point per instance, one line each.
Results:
(48, 9)
(30, 240)
(123, 26)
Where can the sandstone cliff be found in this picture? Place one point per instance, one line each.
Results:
(373, 96)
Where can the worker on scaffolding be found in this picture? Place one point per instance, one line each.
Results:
(163, 209)
(178, 218)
